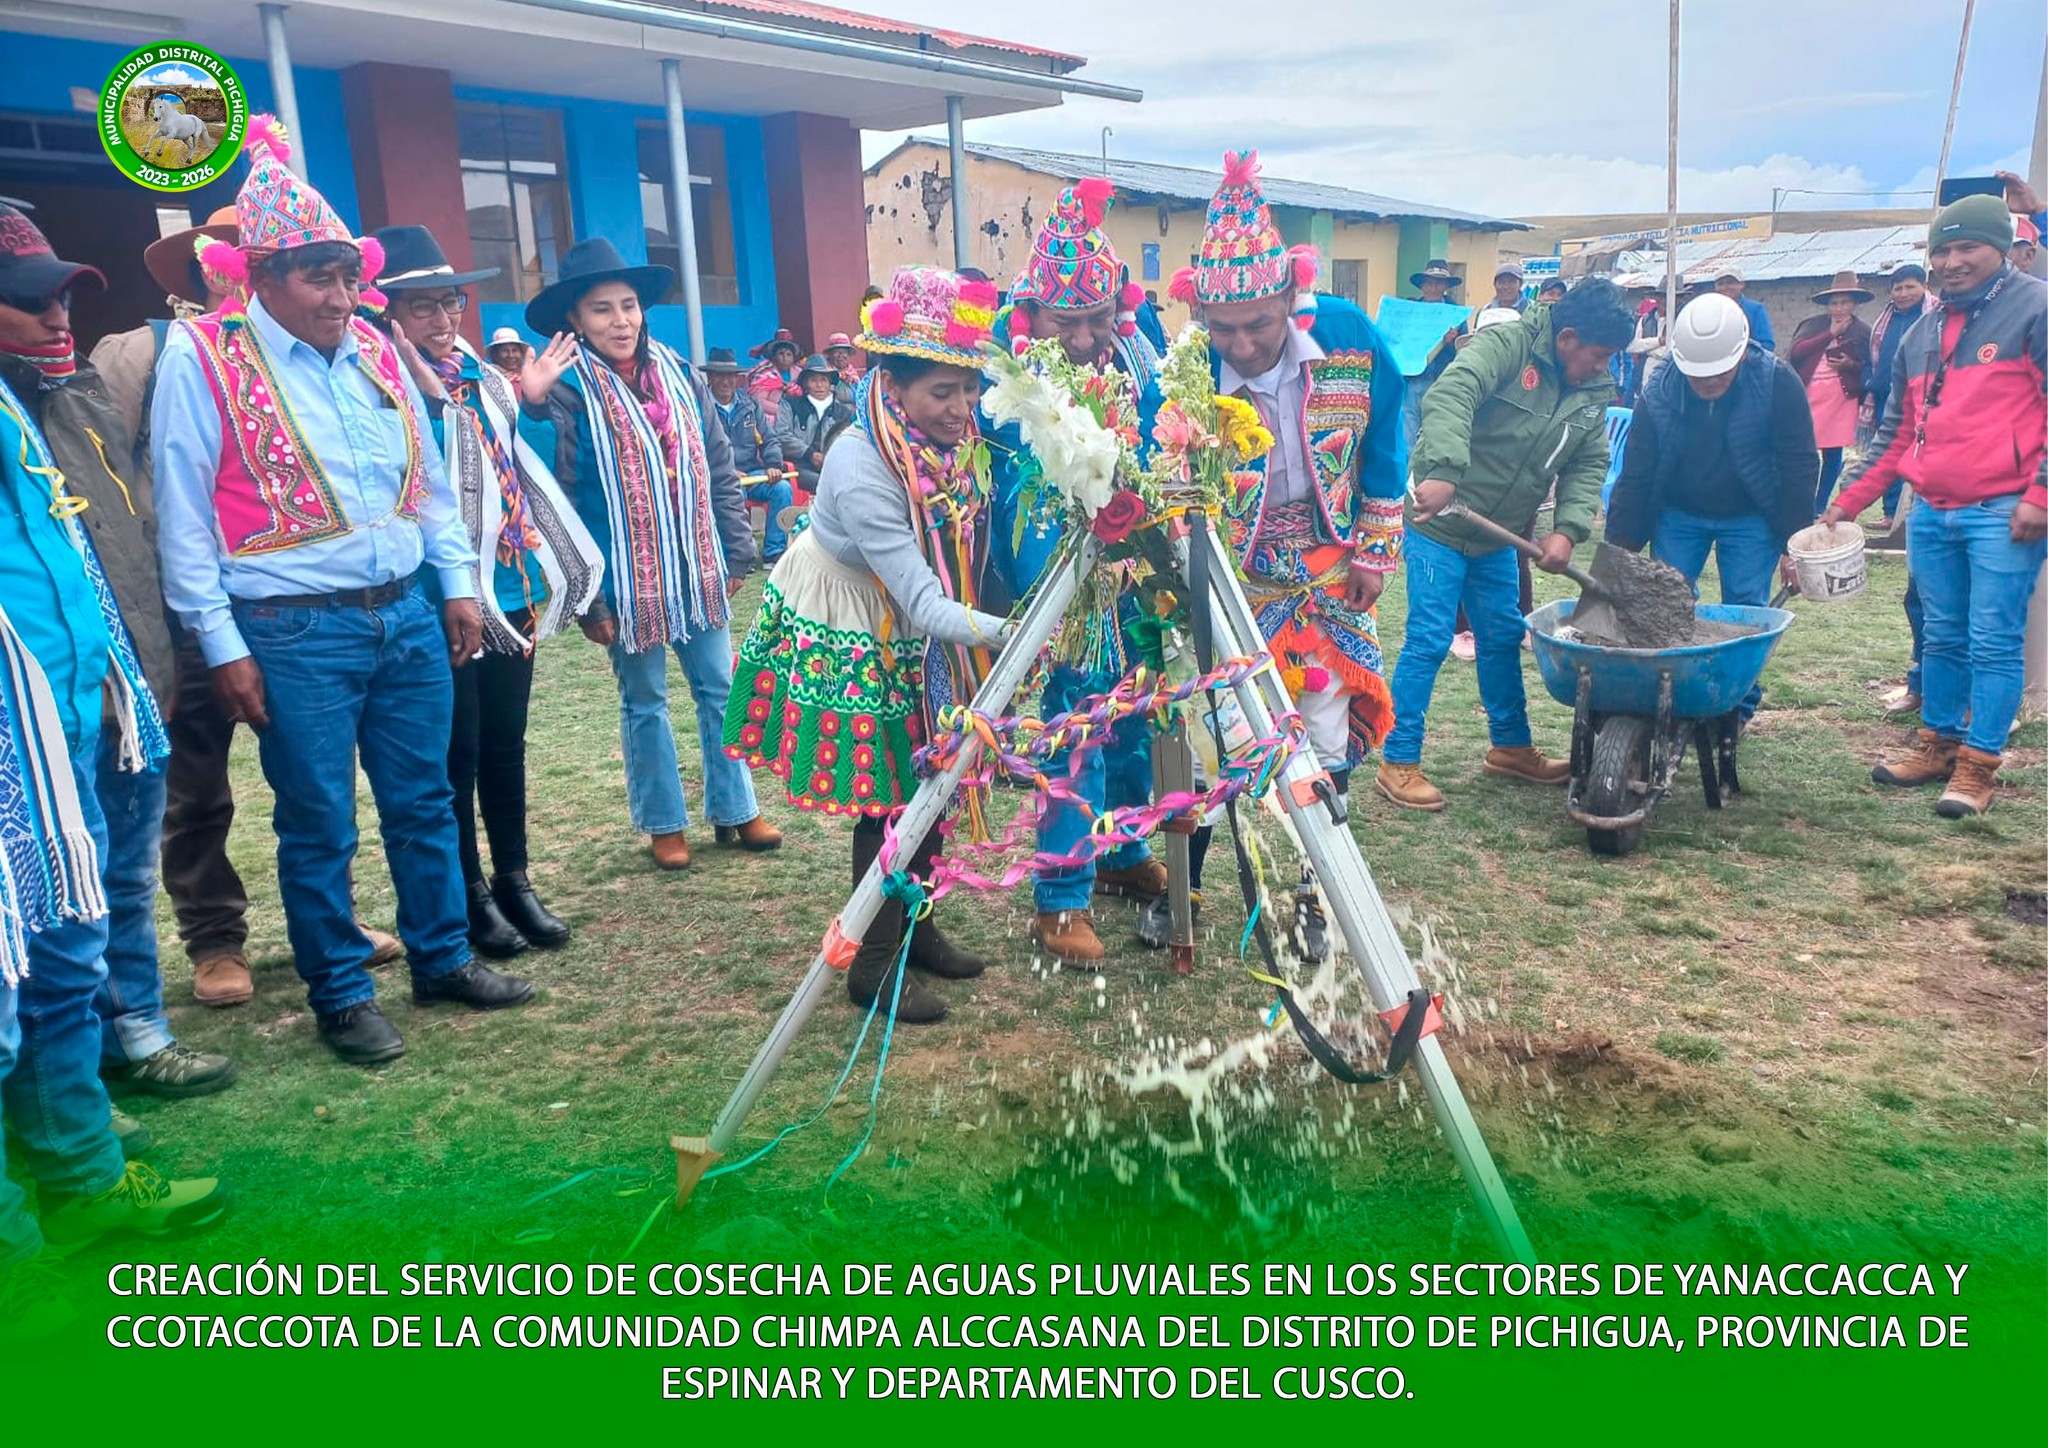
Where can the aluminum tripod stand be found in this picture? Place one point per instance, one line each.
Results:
(1353, 900)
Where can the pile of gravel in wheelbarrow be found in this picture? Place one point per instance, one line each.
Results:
(1652, 607)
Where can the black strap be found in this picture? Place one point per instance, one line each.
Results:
(1314, 1041)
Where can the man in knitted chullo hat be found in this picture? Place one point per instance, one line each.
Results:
(1319, 528)
(1076, 289)
(299, 495)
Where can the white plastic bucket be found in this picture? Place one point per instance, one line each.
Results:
(1829, 561)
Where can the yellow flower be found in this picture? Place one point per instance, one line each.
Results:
(1238, 424)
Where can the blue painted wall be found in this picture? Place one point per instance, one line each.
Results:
(604, 187)
(37, 73)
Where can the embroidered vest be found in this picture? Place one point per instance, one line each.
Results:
(1334, 417)
(270, 491)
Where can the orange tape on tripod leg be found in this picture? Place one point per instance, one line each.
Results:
(1432, 1019)
(837, 949)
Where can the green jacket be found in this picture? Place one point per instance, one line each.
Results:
(1501, 423)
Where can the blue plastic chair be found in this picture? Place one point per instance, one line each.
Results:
(1618, 419)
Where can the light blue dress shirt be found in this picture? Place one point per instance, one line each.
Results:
(360, 441)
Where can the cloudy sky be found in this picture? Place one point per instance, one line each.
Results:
(1518, 108)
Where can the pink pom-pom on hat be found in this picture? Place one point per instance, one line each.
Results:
(373, 258)
(229, 261)
(885, 317)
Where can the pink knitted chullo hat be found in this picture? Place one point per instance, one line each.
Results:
(1243, 257)
(1073, 267)
(277, 210)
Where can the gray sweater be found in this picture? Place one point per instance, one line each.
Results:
(862, 518)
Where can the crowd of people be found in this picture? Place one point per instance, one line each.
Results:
(309, 505)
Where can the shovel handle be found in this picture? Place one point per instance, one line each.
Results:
(1520, 544)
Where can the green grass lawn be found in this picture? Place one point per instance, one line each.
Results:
(1817, 987)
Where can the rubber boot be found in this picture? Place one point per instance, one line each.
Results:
(930, 951)
(872, 975)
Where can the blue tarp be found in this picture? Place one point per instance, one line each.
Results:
(1413, 330)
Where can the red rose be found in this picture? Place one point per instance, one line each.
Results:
(1117, 517)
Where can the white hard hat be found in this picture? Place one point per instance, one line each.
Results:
(1730, 273)
(1709, 337)
(507, 335)
(1493, 317)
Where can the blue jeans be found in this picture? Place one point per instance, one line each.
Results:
(50, 1087)
(338, 681)
(1892, 496)
(1745, 552)
(1488, 586)
(654, 781)
(777, 496)
(1830, 471)
(1975, 584)
(1116, 776)
(131, 1002)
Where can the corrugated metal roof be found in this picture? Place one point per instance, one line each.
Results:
(1185, 183)
(874, 24)
(1869, 251)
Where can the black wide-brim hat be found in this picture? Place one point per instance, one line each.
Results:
(816, 363)
(720, 361)
(1436, 271)
(414, 261)
(584, 265)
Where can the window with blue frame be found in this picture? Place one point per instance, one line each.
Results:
(718, 271)
(516, 192)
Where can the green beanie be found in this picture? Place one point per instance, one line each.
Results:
(1972, 218)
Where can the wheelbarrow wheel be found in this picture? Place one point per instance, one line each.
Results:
(1621, 758)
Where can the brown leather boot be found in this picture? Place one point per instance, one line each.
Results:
(672, 852)
(1143, 881)
(1927, 759)
(1406, 786)
(1969, 788)
(1070, 935)
(384, 947)
(756, 835)
(221, 981)
(1525, 762)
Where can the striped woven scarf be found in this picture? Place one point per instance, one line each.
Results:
(668, 566)
(49, 865)
(949, 490)
(144, 740)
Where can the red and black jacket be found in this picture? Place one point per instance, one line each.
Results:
(1967, 420)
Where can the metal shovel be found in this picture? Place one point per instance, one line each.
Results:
(1594, 613)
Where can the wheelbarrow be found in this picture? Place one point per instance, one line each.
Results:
(1634, 712)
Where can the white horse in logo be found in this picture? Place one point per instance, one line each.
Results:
(174, 124)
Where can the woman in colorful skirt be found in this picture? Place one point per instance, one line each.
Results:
(868, 625)
(537, 565)
(637, 437)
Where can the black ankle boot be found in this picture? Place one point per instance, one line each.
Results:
(930, 951)
(516, 901)
(490, 933)
(872, 976)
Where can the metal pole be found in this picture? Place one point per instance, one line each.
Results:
(919, 816)
(1355, 901)
(284, 94)
(2034, 698)
(1671, 188)
(1955, 96)
(684, 223)
(956, 143)
(1107, 132)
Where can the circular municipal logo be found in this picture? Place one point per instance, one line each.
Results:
(172, 116)
(1988, 352)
